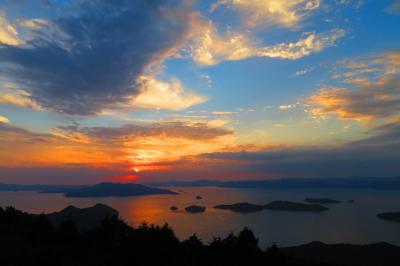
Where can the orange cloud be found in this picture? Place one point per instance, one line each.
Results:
(8, 33)
(375, 96)
(136, 148)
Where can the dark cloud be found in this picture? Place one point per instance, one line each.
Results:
(66, 174)
(386, 134)
(377, 155)
(95, 53)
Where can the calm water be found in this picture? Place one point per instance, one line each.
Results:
(345, 222)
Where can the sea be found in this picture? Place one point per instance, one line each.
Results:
(354, 223)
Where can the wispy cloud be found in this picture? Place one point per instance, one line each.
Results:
(139, 145)
(225, 113)
(394, 7)
(186, 130)
(210, 48)
(16, 97)
(375, 155)
(8, 32)
(286, 13)
(303, 72)
(287, 106)
(376, 94)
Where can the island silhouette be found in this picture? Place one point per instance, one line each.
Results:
(245, 207)
(116, 190)
(321, 200)
(195, 209)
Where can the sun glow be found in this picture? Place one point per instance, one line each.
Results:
(136, 170)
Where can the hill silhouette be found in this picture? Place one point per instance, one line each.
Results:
(116, 190)
(28, 239)
(390, 216)
(86, 218)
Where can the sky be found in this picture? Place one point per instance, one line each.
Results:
(131, 90)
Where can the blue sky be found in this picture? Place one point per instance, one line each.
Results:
(224, 76)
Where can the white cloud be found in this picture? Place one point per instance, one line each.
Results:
(157, 94)
(303, 72)
(210, 48)
(4, 119)
(287, 106)
(286, 13)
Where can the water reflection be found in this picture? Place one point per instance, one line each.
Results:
(345, 222)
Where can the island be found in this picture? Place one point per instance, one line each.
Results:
(245, 207)
(242, 207)
(390, 216)
(85, 218)
(321, 200)
(294, 206)
(195, 209)
(116, 190)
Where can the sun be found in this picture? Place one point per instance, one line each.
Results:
(136, 170)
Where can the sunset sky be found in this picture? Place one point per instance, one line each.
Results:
(122, 90)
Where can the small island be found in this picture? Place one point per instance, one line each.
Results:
(321, 200)
(242, 207)
(390, 216)
(294, 206)
(195, 209)
(116, 190)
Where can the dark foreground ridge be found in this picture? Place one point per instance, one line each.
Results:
(27, 239)
(345, 254)
(245, 207)
(116, 190)
(85, 219)
(390, 216)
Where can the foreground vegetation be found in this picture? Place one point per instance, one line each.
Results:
(27, 239)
